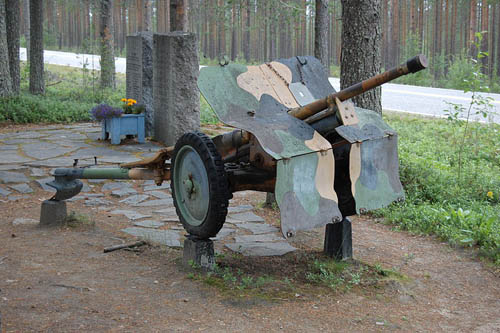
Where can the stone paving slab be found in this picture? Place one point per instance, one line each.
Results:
(257, 238)
(23, 221)
(4, 167)
(239, 209)
(165, 237)
(261, 249)
(36, 172)
(43, 184)
(123, 192)
(247, 217)
(164, 186)
(130, 214)
(160, 194)
(115, 185)
(13, 177)
(149, 224)
(153, 203)
(135, 199)
(4, 192)
(22, 188)
(45, 150)
(258, 228)
(11, 156)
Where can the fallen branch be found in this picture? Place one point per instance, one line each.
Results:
(53, 84)
(123, 246)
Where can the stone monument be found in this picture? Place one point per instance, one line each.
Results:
(140, 74)
(175, 90)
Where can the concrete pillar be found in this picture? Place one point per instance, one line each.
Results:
(198, 251)
(53, 213)
(140, 74)
(175, 90)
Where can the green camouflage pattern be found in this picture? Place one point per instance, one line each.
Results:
(257, 98)
(374, 166)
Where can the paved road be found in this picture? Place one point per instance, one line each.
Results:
(395, 97)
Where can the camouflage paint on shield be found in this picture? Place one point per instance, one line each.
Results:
(304, 192)
(373, 161)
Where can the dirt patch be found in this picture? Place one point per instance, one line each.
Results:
(60, 280)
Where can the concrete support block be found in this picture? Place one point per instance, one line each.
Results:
(338, 240)
(175, 90)
(140, 74)
(53, 213)
(199, 252)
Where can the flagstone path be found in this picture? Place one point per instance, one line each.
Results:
(28, 158)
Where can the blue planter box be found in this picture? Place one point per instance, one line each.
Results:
(127, 124)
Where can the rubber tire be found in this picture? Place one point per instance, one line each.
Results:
(218, 185)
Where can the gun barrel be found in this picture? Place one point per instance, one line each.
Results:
(411, 66)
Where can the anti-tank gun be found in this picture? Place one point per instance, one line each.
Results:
(322, 157)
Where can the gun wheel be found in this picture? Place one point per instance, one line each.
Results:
(200, 187)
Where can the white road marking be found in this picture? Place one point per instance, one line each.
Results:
(406, 92)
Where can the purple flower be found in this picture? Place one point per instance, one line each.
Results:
(105, 111)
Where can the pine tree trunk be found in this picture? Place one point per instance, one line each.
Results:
(485, 30)
(13, 25)
(233, 32)
(321, 33)
(361, 43)
(246, 46)
(453, 29)
(37, 84)
(107, 50)
(472, 28)
(498, 40)
(5, 80)
(179, 15)
(26, 23)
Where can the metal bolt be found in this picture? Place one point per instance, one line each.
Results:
(289, 234)
(362, 210)
(336, 219)
(251, 113)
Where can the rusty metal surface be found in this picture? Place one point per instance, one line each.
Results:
(411, 66)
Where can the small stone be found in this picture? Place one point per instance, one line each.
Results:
(164, 186)
(152, 203)
(86, 188)
(247, 217)
(13, 177)
(22, 188)
(160, 194)
(130, 214)
(166, 211)
(123, 192)
(17, 197)
(96, 180)
(261, 249)
(149, 224)
(135, 199)
(23, 221)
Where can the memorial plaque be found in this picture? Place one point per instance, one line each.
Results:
(140, 74)
(175, 90)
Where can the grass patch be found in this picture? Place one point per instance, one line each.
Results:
(462, 210)
(295, 275)
(78, 220)
(70, 94)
